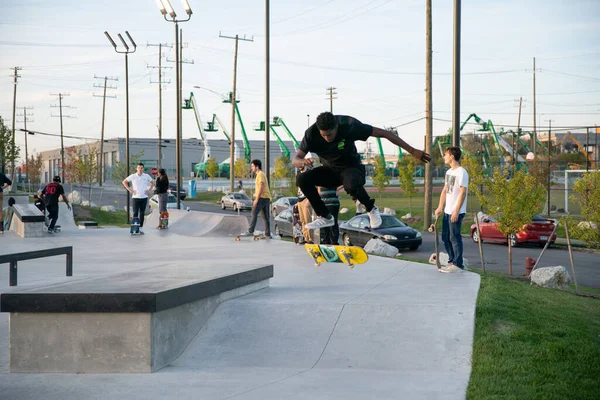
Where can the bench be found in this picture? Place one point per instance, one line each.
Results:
(133, 322)
(12, 259)
(28, 221)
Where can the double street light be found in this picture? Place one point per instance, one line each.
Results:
(126, 52)
(166, 9)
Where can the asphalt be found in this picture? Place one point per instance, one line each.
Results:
(387, 329)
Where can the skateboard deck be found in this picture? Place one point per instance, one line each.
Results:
(164, 220)
(239, 237)
(135, 226)
(350, 255)
(433, 228)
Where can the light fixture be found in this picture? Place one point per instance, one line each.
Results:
(186, 5)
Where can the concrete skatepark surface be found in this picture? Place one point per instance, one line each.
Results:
(387, 329)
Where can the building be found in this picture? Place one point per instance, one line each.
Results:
(146, 151)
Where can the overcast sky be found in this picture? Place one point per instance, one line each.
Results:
(372, 51)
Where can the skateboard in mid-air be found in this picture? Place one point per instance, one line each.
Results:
(350, 255)
(164, 220)
(433, 228)
(296, 225)
(135, 226)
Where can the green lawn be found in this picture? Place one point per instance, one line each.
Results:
(533, 343)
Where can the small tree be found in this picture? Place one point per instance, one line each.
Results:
(514, 202)
(406, 173)
(34, 169)
(380, 179)
(242, 169)
(89, 166)
(588, 195)
(8, 152)
(212, 170)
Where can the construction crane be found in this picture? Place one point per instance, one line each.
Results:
(277, 121)
(284, 149)
(190, 104)
(211, 127)
(489, 127)
(579, 146)
(247, 155)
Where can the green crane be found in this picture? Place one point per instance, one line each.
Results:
(247, 155)
(489, 127)
(190, 104)
(277, 121)
(284, 150)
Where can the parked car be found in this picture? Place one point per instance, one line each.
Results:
(537, 231)
(171, 202)
(173, 189)
(237, 201)
(283, 203)
(283, 224)
(357, 232)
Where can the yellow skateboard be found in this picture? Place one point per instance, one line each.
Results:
(350, 255)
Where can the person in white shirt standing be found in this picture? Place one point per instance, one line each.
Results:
(141, 186)
(454, 196)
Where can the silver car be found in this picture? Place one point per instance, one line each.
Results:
(284, 203)
(236, 201)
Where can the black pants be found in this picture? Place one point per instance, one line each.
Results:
(353, 179)
(139, 208)
(331, 234)
(52, 214)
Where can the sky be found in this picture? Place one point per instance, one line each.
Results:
(371, 51)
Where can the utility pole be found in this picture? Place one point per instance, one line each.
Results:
(534, 146)
(549, 163)
(62, 143)
(25, 121)
(456, 76)
(160, 83)
(233, 100)
(106, 78)
(16, 77)
(331, 93)
(427, 209)
(515, 150)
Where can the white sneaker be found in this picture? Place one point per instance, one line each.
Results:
(450, 268)
(321, 222)
(375, 218)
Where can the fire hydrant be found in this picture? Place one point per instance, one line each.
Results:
(529, 264)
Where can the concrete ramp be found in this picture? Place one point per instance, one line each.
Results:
(65, 217)
(197, 223)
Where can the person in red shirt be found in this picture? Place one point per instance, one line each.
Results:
(51, 194)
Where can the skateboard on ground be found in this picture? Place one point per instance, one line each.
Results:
(433, 228)
(296, 225)
(56, 228)
(238, 238)
(164, 220)
(350, 255)
(135, 226)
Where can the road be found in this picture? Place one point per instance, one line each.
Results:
(587, 264)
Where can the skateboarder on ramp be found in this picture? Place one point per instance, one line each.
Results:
(51, 194)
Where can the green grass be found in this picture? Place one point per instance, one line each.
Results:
(103, 218)
(533, 343)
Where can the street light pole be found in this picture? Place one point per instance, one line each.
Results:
(166, 8)
(126, 52)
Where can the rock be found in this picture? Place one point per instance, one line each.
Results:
(587, 225)
(444, 259)
(378, 247)
(406, 216)
(389, 211)
(344, 210)
(551, 277)
(86, 203)
(109, 208)
(74, 197)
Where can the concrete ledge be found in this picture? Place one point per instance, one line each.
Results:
(67, 328)
(87, 224)
(28, 221)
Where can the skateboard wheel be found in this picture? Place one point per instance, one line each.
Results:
(237, 239)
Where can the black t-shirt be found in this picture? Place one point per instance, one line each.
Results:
(52, 192)
(162, 184)
(342, 151)
(4, 179)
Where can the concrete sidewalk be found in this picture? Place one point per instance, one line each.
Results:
(387, 329)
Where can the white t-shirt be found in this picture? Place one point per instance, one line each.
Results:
(454, 179)
(140, 184)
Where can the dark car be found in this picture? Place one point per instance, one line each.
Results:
(537, 231)
(357, 232)
(283, 224)
(173, 189)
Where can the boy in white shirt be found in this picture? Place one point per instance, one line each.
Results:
(141, 186)
(454, 195)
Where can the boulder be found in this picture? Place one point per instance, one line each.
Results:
(109, 208)
(444, 259)
(87, 203)
(74, 197)
(344, 210)
(378, 247)
(389, 211)
(551, 277)
(587, 225)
